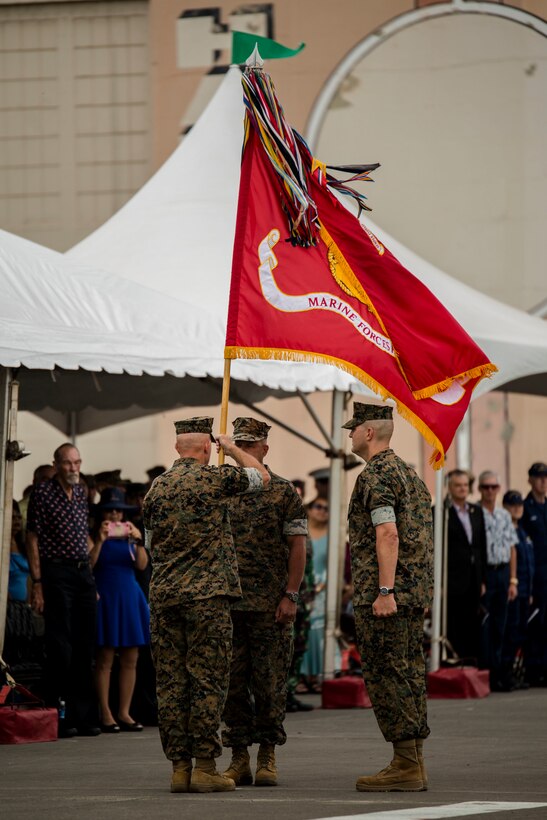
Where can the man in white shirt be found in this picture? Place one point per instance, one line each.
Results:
(501, 562)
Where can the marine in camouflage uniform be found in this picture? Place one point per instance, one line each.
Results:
(391, 542)
(269, 534)
(194, 579)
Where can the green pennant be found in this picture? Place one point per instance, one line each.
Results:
(243, 44)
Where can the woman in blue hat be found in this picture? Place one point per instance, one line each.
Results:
(123, 616)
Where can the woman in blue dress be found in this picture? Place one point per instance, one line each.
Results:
(123, 617)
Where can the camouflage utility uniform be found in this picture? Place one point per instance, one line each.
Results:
(392, 648)
(194, 579)
(262, 647)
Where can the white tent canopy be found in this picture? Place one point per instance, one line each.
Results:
(176, 235)
(56, 315)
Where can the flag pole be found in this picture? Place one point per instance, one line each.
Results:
(224, 404)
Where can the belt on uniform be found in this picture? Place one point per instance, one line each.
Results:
(498, 566)
(68, 562)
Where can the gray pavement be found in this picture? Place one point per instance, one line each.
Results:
(480, 750)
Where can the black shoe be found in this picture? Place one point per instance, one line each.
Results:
(89, 731)
(110, 728)
(502, 686)
(291, 705)
(130, 727)
(66, 731)
(303, 707)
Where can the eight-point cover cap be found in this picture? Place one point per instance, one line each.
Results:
(368, 412)
(197, 424)
(249, 429)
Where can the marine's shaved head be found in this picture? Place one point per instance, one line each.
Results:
(194, 445)
(383, 428)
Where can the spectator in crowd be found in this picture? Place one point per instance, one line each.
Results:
(42, 473)
(312, 662)
(123, 618)
(321, 479)
(518, 610)
(23, 644)
(466, 567)
(19, 573)
(63, 588)
(534, 521)
(501, 566)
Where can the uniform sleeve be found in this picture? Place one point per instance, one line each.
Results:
(380, 499)
(295, 520)
(240, 480)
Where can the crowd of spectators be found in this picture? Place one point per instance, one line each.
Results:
(496, 578)
(77, 627)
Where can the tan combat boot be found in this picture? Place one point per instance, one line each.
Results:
(402, 775)
(420, 754)
(180, 780)
(205, 778)
(266, 772)
(239, 769)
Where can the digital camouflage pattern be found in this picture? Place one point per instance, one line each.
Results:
(387, 481)
(262, 528)
(191, 647)
(249, 429)
(261, 657)
(394, 670)
(197, 424)
(261, 525)
(186, 513)
(194, 577)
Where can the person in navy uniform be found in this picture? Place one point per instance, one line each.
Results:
(534, 522)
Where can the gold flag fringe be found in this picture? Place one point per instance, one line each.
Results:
(280, 354)
(483, 371)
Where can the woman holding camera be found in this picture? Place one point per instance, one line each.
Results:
(123, 617)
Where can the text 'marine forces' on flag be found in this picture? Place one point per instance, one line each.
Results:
(339, 297)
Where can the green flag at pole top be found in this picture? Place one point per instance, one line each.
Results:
(243, 44)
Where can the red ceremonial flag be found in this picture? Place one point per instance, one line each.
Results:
(339, 296)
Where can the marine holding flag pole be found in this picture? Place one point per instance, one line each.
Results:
(311, 282)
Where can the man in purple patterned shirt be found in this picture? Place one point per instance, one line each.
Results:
(63, 589)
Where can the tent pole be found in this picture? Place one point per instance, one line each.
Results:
(336, 538)
(8, 431)
(436, 611)
(463, 442)
(224, 404)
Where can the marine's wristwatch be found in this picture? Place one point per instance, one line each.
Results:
(386, 591)
(292, 596)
